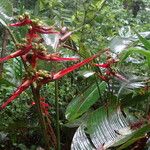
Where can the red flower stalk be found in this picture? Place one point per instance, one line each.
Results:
(19, 90)
(109, 72)
(31, 58)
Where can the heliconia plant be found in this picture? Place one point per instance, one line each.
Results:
(31, 51)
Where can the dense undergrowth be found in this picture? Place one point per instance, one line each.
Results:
(74, 75)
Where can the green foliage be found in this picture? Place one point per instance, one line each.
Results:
(6, 10)
(84, 101)
(90, 105)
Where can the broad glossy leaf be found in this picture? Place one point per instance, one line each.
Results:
(77, 122)
(51, 40)
(104, 130)
(80, 140)
(140, 133)
(129, 51)
(119, 44)
(81, 103)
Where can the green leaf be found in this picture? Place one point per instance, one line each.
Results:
(140, 133)
(83, 51)
(129, 51)
(6, 82)
(107, 129)
(6, 10)
(101, 128)
(99, 4)
(81, 103)
(145, 42)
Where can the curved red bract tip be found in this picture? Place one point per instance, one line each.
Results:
(19, 90)
(17, 53)
(72, 68)
(21, 23)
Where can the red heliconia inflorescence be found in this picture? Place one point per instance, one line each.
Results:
(109, 72)
(33, 50)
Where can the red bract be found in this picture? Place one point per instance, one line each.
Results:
(30, 36)
(60, 74)
(34, 26)
(103, 65)
(44, 106)
(19, 90)
(55, 76)
(51, 58)
(40, 30)
(20, 52)
(104, 78)
(109, 72)
(21, 23)
(72, 68)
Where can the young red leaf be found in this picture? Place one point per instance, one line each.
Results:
(19, 90)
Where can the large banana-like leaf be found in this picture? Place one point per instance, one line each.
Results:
(81, 103)
(106, 129)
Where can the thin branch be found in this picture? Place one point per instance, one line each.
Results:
(57, 115)
(4, 44)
